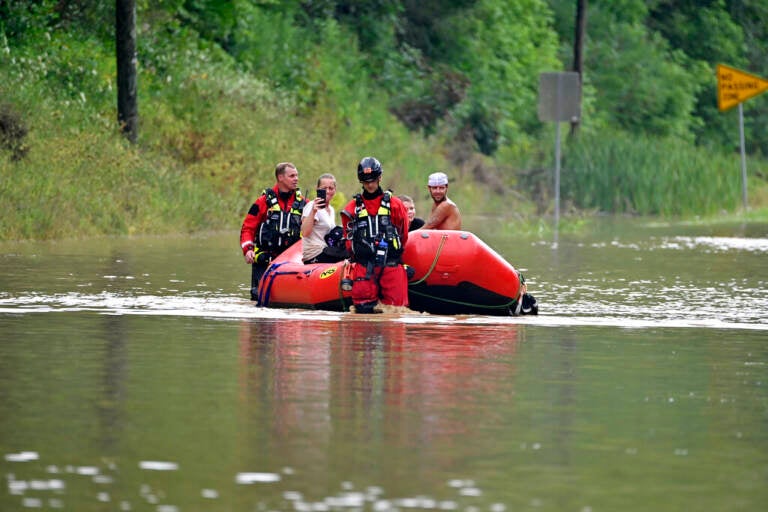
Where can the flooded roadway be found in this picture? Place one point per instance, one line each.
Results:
(135, 375)
(659, 279)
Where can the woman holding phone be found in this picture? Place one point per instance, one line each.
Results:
(317, 220)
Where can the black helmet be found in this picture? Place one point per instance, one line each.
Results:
(369, 169)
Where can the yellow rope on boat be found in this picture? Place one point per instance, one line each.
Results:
(434, 262)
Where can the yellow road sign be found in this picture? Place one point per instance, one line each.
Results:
(735, 86)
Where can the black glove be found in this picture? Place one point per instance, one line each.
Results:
(530, 305)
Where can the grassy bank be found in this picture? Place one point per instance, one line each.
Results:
(211, 133)
(210, 137)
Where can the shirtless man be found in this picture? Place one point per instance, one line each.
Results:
(445, 214)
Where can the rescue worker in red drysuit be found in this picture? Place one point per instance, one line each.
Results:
(273, 223)
(376, 226)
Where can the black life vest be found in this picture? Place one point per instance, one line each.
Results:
(368, 231)
(281, 228)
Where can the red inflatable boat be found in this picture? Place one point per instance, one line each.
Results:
(454, 273)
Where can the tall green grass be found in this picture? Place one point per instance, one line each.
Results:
(623, 173)
(79, 177)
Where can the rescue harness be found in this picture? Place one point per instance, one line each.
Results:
(375, 240)
(281, 228)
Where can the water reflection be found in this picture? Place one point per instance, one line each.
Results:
(325, 414)
(110, 407)
(372, 384)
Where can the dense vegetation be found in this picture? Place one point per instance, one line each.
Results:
(229, 88)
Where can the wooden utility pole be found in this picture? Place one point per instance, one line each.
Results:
(125, 39)
(578, 49)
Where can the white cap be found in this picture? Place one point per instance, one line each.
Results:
(437, 179)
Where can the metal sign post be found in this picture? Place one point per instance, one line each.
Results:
(744, 202)
(734, 87)
(559, 101)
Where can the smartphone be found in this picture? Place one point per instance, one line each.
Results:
(321, 195)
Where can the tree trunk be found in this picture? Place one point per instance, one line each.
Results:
(125, 39)
(578, 49)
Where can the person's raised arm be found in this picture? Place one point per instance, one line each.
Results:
(308, 219)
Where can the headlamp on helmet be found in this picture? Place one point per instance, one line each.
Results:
(369, 169)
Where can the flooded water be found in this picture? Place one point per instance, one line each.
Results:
(135, 375)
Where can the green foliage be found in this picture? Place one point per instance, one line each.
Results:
(685, 39)
(213, 19)
(270, 44)
(374, 22)
(425, 24)
(643, 86)
(57, 67)
(707, 34)
(422, 95)
(29, 19)
(703, 30)
(501, 47)
(228, 89)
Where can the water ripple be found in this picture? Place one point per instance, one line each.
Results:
(636, 305)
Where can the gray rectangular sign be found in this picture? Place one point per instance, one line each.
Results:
(559, 96)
